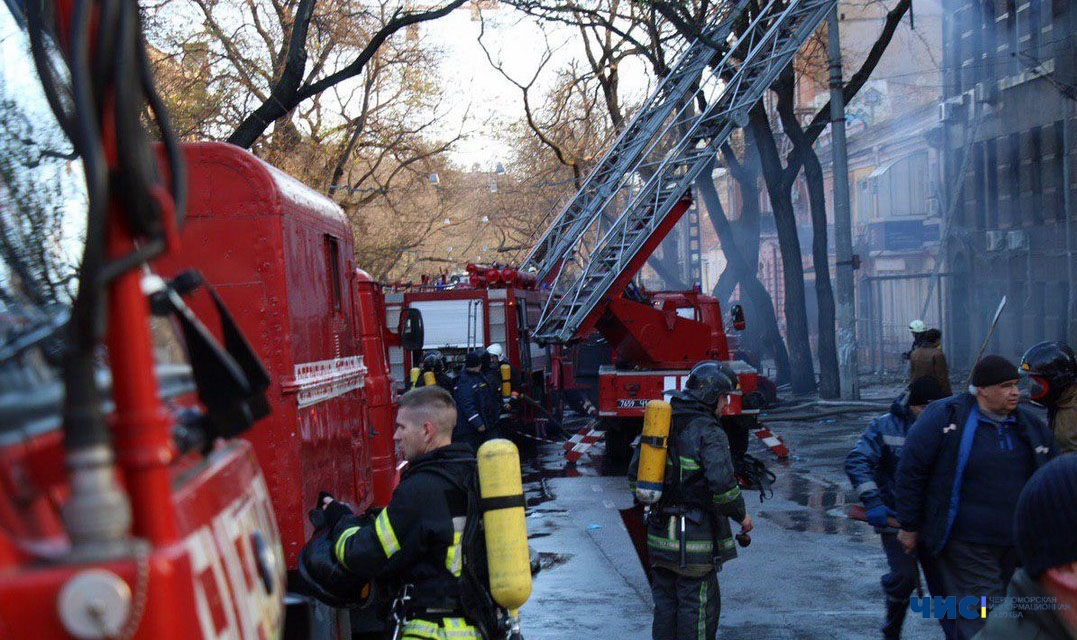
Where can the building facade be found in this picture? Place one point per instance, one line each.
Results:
(1008, 111)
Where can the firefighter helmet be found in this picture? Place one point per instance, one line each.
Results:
(434, 361)
(495, 350)
(917, 326)
(1051, 367)
(710, 380)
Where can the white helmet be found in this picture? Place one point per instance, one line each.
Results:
(495, 350)
(917, 326)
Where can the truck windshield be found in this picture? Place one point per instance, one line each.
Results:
(42, 203)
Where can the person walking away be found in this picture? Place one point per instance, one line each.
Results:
(964, 464)
(688, 532)
(477, 415)
(871, 466)
(414, 544)
(1052, 369)
(1041, 601)
(929, 360)
(917, 329)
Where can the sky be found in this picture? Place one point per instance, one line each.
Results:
(474, 86)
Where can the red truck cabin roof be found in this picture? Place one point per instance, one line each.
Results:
(281, 257)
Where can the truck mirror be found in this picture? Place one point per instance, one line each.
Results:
(738, 317)
(411, 329)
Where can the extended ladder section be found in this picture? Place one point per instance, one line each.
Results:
(613, 172)
(653, 164)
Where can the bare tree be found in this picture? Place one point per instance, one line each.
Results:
(286, 52)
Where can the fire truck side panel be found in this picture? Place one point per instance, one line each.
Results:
(265, 242)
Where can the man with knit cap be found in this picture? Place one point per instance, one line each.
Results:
(871, 466)
(1041, 601)
(965, 462)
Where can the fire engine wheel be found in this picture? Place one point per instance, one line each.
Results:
(620, 433)
(738, 430)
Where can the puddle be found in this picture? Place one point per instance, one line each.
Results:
(549, 560)
(811, 521)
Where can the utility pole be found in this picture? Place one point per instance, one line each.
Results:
(843, 232)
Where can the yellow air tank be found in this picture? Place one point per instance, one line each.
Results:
(652, 451)
(501, 489)
(429, 379)
(506, 381)
(413, 375)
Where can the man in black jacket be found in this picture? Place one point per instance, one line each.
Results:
(965, 462)
(688, 532)
(415, 541)
(1041, 602)
(476, 420)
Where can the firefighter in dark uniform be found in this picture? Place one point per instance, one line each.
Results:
(1052, 368)
(688, 530)
(434, 362)
(476, 421)
(414, 543)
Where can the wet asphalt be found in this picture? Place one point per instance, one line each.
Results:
(810, 572)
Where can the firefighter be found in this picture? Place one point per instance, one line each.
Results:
(1052, 369)
(414, 544)
(476, 421)
(917, 329)
(434, 362)
(927, 359)
(688, 531)
(871, 466)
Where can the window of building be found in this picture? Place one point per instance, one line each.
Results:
(979, 187)
(1035, 174)
(991, 186)
(1015, 178)
(1058, 175)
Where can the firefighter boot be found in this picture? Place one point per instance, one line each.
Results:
(895, 617)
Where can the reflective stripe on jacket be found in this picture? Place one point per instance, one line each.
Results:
(416, 539)
(701, 488)
(872, 464)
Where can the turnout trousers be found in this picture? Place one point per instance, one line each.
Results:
(685, 608)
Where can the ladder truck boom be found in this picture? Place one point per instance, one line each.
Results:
(671, 147)
(610, 175)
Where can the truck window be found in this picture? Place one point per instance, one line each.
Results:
(332, 252)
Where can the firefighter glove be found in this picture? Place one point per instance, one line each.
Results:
(877, 515)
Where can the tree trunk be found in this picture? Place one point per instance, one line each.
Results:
(796, 312)
(803, 154)
(829, 380)
(759, 300)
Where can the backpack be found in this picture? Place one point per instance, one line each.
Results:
(477, 602)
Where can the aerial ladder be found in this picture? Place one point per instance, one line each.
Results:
(637, 192)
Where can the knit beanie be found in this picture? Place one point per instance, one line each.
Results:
(992, 370)
(924, 390)
(1045, 521)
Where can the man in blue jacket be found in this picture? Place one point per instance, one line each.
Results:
(871, 466)
(477, 414)
(965, 462)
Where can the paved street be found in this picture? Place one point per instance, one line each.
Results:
(809, 573)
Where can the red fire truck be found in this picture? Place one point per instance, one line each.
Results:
(133, 503)
(494, 304)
